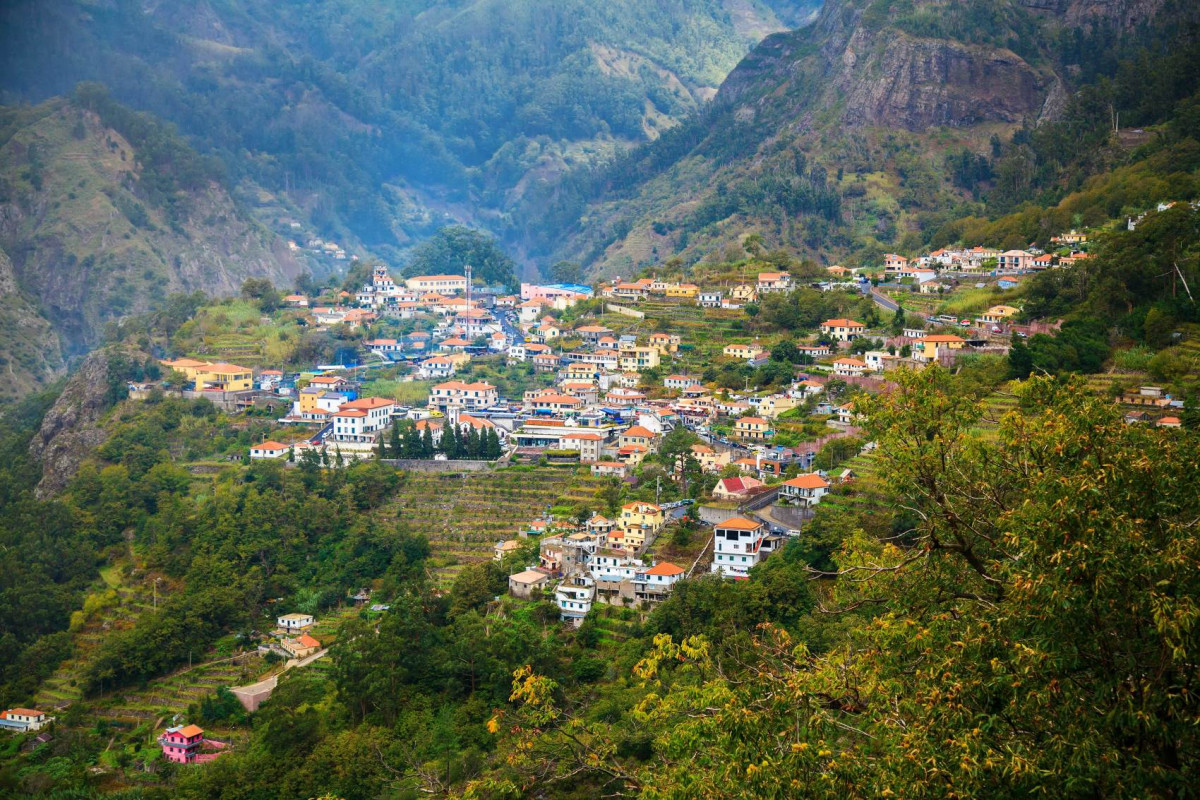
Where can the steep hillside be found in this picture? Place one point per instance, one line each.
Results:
(869, 126)
(29, 351)
(378, 121)
(98, 226)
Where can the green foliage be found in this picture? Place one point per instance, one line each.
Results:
(454, 247)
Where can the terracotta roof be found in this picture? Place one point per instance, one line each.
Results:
(739, 524)
(368, 403)
(191, 730)
(587, 437)
(528, 576)
(477, 386)
(665, 568)
(810, 481)
(651, 508)
(639, 431)
(308, 641)
(354, 412)
(270, 446)
(24, 712)
(944, 338)
(751, 421)
(842, 323)
(850, 361)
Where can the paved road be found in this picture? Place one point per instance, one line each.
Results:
(884, 301)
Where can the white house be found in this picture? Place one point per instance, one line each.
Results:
(849, 367)
(461, 395)
(737, 547)
(574, 597)
(359, 420)
(24, 719)
(807, 490)
(653, 584)
(269, 450)
(295, 622)
(709, 300)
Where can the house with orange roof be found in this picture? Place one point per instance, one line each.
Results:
(850, 367)
(556, 403)
(843, 330)
(476, 395)
(181, 744)
(739, 545)
(609, 469)
(24, 719)
(774, 282)
(666, 343)
(754, 429)
(300, 647)
(932, 344)
(639, 522)
(590, 445)
(442, 284)
(269, 450)
(437, 367)
(653, 584)
(806, 490)
(637, 434)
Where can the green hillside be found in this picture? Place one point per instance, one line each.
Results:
(375, 120)
(106, 213)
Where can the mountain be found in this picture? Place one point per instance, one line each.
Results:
(381, 122)
(875, 124)
(103, 213)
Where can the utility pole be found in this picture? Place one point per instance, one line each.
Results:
(657, 488)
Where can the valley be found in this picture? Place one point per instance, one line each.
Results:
(702, 399)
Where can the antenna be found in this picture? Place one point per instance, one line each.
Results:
(467, 271)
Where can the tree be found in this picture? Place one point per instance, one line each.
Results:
(566, 272)
(898, 321)
(452, 248)
(1031, 634)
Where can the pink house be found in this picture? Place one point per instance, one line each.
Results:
(181, 744)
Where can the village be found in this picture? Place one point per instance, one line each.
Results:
(448, 377)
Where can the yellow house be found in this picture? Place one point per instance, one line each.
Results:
(999, 313)
(188, 367)
(746, 351)
(743, 293)
(932, 344)
(753, 428)
(636, 359)
(774, 405)
(207, 375)
(683, 290)
(666, 343)
(639, 521)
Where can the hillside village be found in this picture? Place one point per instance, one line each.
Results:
(606, 444)
(629, 374)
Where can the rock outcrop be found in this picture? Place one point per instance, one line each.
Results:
(70, 430)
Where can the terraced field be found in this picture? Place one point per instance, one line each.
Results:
(464, 515)
(865, 494)
(120, 602)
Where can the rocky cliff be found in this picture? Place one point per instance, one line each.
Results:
(70, 431)
(874, 92)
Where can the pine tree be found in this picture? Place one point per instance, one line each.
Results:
(426, 444)
(396, 446)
